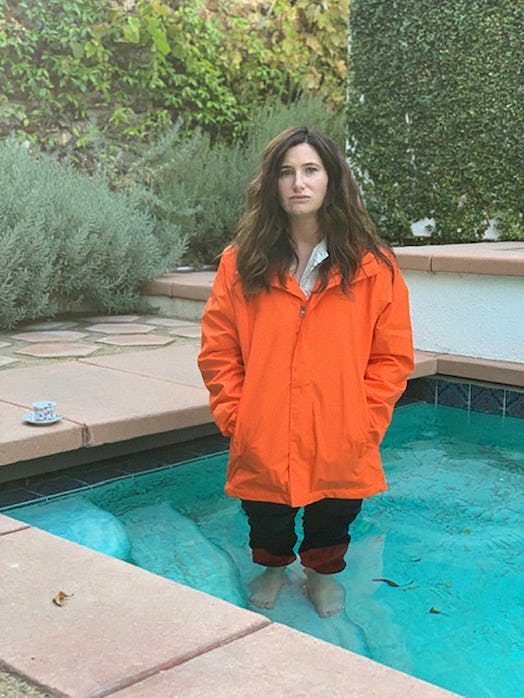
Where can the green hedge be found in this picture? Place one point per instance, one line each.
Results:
(66, 238)
(435, 115)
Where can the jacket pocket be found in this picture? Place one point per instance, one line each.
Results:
(373, 438)
(235, 444)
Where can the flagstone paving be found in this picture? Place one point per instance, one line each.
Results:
(50, 336)
(167, 322)
(119, 328)
(99, 403)
(112, 318)
(47, 325)
(133, 340)
(55, 350)
(55, 340)
(186, 332)
(5, 360)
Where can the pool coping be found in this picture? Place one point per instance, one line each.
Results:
(493, 258)
(146, 394)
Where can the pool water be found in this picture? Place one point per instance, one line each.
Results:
(447, 537)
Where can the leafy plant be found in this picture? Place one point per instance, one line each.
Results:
(435, 120)
(74, 72)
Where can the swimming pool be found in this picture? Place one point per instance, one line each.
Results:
(447, 537)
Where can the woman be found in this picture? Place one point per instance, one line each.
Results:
(306, 346)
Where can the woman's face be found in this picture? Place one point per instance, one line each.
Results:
(302, 181)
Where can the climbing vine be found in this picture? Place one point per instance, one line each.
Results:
(74, 71)
(435, 115)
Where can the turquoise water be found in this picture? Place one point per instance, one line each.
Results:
(448, 532)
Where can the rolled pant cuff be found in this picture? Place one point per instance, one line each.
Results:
(264, 557)
(329, 560)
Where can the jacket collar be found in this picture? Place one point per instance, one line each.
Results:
(369, 267)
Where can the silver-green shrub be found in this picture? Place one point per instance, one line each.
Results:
(66, 239)
(200, 185)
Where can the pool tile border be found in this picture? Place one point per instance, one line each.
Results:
(44, 487)
(473, 396)
(514, 405)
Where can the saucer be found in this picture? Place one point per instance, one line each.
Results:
(30, 419)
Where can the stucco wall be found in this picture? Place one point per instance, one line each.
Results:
(470, 314)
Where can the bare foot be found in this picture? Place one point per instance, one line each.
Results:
(266, 587)
(326, 595)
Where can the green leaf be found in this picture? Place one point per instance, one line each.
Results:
(132, 30)
(77, 48)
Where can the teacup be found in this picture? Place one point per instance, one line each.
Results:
(44, 411)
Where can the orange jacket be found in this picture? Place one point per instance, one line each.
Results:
(306, 388)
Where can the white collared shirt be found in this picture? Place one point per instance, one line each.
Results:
(310, 275)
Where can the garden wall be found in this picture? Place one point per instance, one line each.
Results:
(467, 299)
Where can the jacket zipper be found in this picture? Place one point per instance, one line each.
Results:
(302, 315)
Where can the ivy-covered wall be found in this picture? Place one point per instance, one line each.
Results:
(435, 117)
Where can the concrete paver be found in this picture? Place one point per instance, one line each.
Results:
(425, 364)
(192, 285)
(20, 441)
(54, 350)
(50, 336)
(278, 661)
(119, 623)
(9, 525)
(501, 258)
(135, 340)
(5, 360)
(174, 363)
(120, 328)
(502, 372)
(111, 406)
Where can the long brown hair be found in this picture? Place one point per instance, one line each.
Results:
(265, 247)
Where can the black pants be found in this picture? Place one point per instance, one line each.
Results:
(326, 533)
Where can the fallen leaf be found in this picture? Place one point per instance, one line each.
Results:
(390, 582)
(434, 610)
(60, 597)
(467, 531)
(415, 559)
